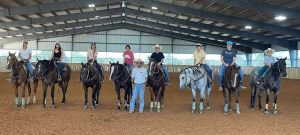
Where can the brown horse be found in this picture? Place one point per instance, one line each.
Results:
(19, 77)
(46, 71)
(156, 81)
(231, 83)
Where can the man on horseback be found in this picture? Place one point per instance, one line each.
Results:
(25, 56)
(199, 60)
(158, 57)
(128, 58)
(92, 59)
(57, 56)
(228, 58)
(269, 60)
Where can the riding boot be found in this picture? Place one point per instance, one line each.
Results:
(209, 80)
(30, 79)
(59, 79)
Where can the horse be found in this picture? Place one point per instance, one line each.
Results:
(272, 80)
(156, 83)
(122, 79)
(231, 84)
(47, 73)
(90, 78)
(19, 77)
(198, 78)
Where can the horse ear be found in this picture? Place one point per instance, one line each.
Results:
(8, 52)
(81, 64)
(117, 62)
(15, 53)
(285, 58)
(37, 59)
(277, 58)
(239, 67)
(109, 62)
(178, 69)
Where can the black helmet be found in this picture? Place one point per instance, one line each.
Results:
(127, 46)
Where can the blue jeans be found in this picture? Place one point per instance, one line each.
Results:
(130, 67)
(221, 74)
(138, 89)
(165, 70)
(261, 71)
(29, 67)
(208, 70)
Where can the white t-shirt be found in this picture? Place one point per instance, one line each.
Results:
(25, 53)
(139, 75)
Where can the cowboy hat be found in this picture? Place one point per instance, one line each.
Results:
(139, 61)
(270, 49)
(198, 45)
(156, 46)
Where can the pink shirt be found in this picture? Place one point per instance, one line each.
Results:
(129, 57)
(91, 55)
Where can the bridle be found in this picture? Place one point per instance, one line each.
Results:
(16, 67)
(188, 76)
(117, 76)
(156, 71)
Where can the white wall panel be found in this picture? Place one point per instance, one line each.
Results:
(184, 49)
(121, 48)
(100, 32)
(214, 49)
(59, 39)
(85, 46)
(156, 39)
(18, 45)
(123, 32)
(182, 42)
(149, 48)
(90, 38)
(123, 39)
(279, 48)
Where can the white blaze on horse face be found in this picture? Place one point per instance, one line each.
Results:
(39, 68)
(111, 71)
(150, 68)
(235, 77)
(182, 81)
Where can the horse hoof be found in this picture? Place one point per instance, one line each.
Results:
(119, 110)
(193, 111)
(34, 101)
(208, 108)
(93, 107)
(238, 112)
(225, 113)
(201, 112)
(275, 111)
(266, 112)
(252, 109)
(28, 101)
(151, 109)
(85, 107)
(23, 107)
(230, 109)
(52, 106)
(158, 110)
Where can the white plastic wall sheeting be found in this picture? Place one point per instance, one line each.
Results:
(62, 38)
(90, 38)
(155, 40)
(123, 39)
(123, 32)
(183, 42)
(150, 49)
(85, 46)
(17, 45)
(50, 45)
(183, 49)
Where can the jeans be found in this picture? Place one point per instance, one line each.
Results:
(221, 74)
(208, 70)
(29, 67)
(165, 70)
(130, 67)
(261, 71)
(138, 89)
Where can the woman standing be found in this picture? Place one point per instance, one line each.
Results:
(57, 56)
(128, 58)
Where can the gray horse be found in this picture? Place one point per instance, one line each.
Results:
(197, 77)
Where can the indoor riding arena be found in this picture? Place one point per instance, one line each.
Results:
(239, 38)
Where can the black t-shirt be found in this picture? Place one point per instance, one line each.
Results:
(157, 56)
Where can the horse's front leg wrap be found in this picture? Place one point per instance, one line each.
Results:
(17, 101)
(151, 106)
(23, 101)
(193, 107)
(237, 107)
(201, 107)
(226, 108)
(158, 106)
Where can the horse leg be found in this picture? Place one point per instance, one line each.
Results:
(194, 92)
(252, 97)
(259, 99)
(275, 109)
(208, 98)
(158, 98)
(98, 93)
(29, 92)
(45, 86)
(23, 95)
(64, 87)
(126, 98)
(162, 97)
(94, 97)
(266, 111)
(202, 95)
(17, 95)
(226, 92)
(119, 98)
(237, 106)
(85, 97)
(52, 95)
(151, 98)
(35, 85)
(229, 103)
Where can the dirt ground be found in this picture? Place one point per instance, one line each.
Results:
(175, 118)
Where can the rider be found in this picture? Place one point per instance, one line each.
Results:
(159, 59)
(199, 59)
(128, 58)
(228, 58)
(269, 60)
(25, 56)
(57, 56)
(92, 59)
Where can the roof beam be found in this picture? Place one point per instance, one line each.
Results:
(257, 36)
(63, 33)
(264, 7)
(217, 16)
(258, 46)
(47, 7)
(183, 37)
(62, 18)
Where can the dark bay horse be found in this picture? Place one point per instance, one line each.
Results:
(90, 78)
(231, 84)
(19, 77)
(47, 72)
(156, 82)
(271, 82)
(122, 79)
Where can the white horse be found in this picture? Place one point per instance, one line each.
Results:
(197, 77)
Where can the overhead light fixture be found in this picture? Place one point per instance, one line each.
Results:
(123, 21)
(97, 16)
(280, 18)
(248, 27)
(123, 4)
(91, 5)
(123, 14)
(154, 8)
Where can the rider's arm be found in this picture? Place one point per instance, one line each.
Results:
(29, 54)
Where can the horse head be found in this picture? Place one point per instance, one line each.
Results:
(233, 75)
(280, 65)
(11, 60)
(183, 79)
(42, 66)
(85, 72)
(114, 68)
(152, 66)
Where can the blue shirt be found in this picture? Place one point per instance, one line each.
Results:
(269, 60)
(139, 75)
(228, 55)
(157, 56)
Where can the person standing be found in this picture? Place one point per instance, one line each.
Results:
(128, 58)
(228, 58)
(25, 54)
(139, 78)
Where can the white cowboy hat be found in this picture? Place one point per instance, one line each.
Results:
(270, 49)
(199, 44)
(25, 41)
(139, 60)
(156, 46)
